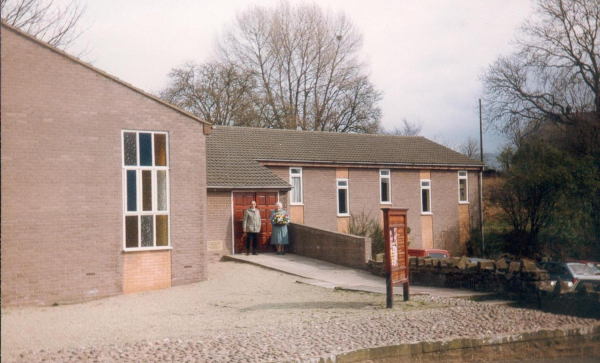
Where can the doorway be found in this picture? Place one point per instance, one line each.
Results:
(265, 202)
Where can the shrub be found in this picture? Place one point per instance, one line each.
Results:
(363, 224)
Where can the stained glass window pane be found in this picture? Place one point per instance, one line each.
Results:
(463, 189)
(162, 230)
(131, 191)
(342, 202)
(146, 190)
(161, 189)
(131, 231)
(160, 149)
(147, 231)
(385, 190)
(130, 148)
(145, 149)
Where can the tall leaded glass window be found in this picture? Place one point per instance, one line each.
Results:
(146, 190)
(296, 181)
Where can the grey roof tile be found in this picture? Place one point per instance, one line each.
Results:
(232, 153)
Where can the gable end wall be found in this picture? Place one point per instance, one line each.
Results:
(62, 208)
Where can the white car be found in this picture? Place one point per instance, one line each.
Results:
(572, 273)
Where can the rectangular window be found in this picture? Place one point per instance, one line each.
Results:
(385, 186)
(296, 182)
(463, 187)
(146, 190)
(342, 197)
(426, 196)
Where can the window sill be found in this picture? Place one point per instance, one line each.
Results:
(426, 213)
(294, 204)
(464, 202)
(386, 203)
(343, 215)
(147, 249)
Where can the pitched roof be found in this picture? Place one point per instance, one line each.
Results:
(101, 72)
(233, 152)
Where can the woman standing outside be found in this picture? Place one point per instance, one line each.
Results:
(279, 235)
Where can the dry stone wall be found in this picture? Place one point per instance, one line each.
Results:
(521, 281)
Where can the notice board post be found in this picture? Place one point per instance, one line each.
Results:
(395, 230)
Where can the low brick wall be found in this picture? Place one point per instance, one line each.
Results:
(339, 248)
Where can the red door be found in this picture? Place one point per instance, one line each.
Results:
(265, 202)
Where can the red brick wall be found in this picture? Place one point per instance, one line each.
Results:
(363, 190)
(444, 206)
(320, 209)
(284, 174)
(62, 192)
(405, 186)
(339, 248)
(320, 199)
(219, 222)
(146, 270)
(406, 193)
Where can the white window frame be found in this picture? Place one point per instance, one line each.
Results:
(297, 175)
(463, 175)
(389, 178)
(337, 196)
(139, 209)
(428, 188)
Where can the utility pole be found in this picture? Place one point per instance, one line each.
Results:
(481, 180)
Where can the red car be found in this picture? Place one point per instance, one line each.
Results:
(429, 252)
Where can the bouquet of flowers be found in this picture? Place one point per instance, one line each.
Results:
(281, 219)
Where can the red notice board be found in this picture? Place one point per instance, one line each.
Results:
(396, 244)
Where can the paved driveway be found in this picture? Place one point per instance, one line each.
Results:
(329, 275)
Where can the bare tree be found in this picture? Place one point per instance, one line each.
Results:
(470, 148)
(218, 93)
(443, 140)
(305, 67)
(407, 129)
(554, 76)
(52, 21)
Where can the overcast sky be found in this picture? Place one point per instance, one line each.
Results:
(425, 55)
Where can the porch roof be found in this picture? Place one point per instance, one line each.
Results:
(233, 153)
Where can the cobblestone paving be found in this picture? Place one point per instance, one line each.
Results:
(308, 341)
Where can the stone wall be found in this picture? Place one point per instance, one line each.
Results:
(339, 248)
(520, 281)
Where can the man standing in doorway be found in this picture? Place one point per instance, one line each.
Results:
(251, 226)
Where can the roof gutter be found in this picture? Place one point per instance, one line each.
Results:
(267, 161)
(248, 187)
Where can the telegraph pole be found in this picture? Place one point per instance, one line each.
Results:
(481, 180)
